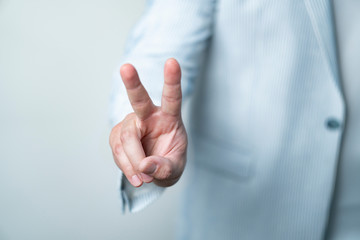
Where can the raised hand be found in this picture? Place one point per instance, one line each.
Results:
(150, 143)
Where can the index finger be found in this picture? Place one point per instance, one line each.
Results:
(138, 96)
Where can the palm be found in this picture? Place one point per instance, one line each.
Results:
(163, 136)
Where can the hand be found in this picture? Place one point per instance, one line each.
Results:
(150, 144)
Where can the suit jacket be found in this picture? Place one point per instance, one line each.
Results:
(267, 113)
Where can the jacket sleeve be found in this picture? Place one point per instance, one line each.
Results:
(168, 28)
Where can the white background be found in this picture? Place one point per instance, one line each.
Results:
(57, 176)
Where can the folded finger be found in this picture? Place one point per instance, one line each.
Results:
(124, 164)
(131, 142)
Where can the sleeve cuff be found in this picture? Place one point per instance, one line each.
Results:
(135, 199)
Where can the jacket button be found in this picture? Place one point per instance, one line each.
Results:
(332, 124)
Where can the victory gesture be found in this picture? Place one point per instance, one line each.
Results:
(150, 143)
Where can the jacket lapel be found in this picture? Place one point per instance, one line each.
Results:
(321, 15)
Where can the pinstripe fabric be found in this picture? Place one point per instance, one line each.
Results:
(262, 158)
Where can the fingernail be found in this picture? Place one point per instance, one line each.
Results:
(146, 178)
(150, 169)
(135, 180)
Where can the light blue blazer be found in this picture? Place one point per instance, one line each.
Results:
(267, 113)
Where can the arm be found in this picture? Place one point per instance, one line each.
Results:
(180, 29)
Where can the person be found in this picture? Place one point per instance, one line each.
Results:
(275, 124)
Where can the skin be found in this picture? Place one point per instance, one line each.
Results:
(150, 144)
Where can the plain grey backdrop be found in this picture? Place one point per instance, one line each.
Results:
(57, 176)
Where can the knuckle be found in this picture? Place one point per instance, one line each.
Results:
(126, 134)
(141, 103)
(172, 98)
(117, 149)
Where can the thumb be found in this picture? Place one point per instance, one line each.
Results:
(164, 171)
